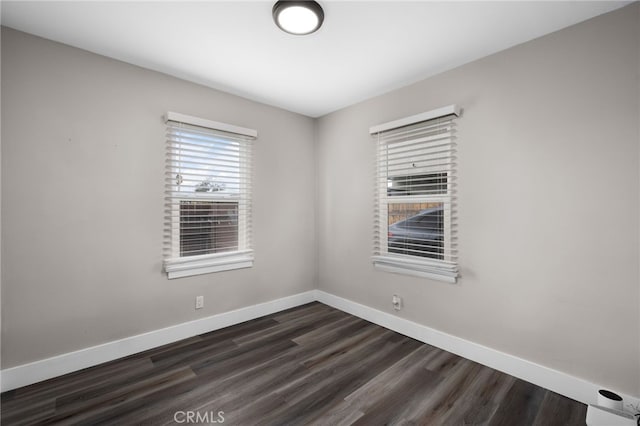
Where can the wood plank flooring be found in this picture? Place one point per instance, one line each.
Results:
(308, 365)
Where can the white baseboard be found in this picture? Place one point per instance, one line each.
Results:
(562, 383)
(559, 382)
(37, 371)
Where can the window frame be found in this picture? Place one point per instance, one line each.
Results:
(175, 264)
(408, 264)
(417, 199)
(176, 230)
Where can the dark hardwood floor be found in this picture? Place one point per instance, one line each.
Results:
(308, 365)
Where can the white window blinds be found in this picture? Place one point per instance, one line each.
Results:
(208, 196)
(415, 212)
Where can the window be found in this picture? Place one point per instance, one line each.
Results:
(415, 195)
(208, 196)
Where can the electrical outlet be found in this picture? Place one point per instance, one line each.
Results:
(396, 301)
(199, 302)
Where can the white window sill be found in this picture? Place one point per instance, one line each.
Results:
(422, 268)
(206, 264)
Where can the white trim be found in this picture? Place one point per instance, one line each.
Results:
(198, 265)
(418, 118)
(557, 381)
(208, 269)
(424, 268)
(562, 383)
(407, 270)
(210, 124)
(598, 416)
(37, 371)
(205, 257)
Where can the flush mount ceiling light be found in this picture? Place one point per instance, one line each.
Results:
(298, 17)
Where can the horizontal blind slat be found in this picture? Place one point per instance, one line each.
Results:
(176, 127)
(206, 146)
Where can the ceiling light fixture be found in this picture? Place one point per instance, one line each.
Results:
(298, 17)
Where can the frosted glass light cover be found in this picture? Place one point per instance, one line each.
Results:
(298, 20)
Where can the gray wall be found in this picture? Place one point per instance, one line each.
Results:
(548, 161)
(82, 187)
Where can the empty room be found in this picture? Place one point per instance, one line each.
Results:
(320, 213)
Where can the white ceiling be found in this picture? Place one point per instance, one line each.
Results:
(365, 48)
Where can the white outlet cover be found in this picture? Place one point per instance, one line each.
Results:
(199, 302)
(397, 302)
